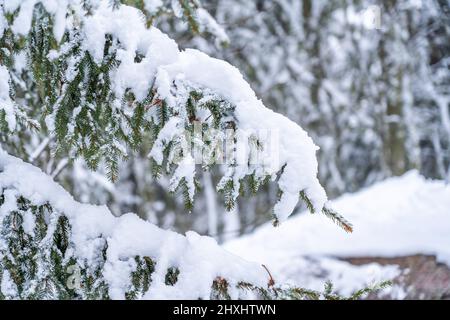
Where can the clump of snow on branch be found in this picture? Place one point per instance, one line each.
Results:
(296, 149)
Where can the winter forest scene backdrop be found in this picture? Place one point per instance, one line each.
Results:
(224, 149)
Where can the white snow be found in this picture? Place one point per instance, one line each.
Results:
(29, 223)
(185, 170)
(60, 20)
(208, 23)
(200, 259)
(400, 216)
(6, 104)
(3, 25)
(22, 23)
(153, 6)
(7, 286)
(127, 25)
(167, 134)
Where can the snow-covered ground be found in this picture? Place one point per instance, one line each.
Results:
(397, 217)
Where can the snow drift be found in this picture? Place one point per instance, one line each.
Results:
(401, 216)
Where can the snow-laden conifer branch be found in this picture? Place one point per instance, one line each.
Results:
(53, 247)
(106, 80)
(47, 240)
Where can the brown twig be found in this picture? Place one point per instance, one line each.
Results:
(271, 280)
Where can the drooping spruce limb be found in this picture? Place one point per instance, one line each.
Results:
(51, 246)
(328, 212)
(338, 219)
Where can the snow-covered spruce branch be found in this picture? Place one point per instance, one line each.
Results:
(106, 80)
(52, 247)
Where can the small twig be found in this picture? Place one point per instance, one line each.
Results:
(271, 280)
(156, 102)
(271, 283)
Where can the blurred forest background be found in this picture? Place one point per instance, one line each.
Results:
(368, 80)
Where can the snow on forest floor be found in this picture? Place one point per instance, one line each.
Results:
(397, 217)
